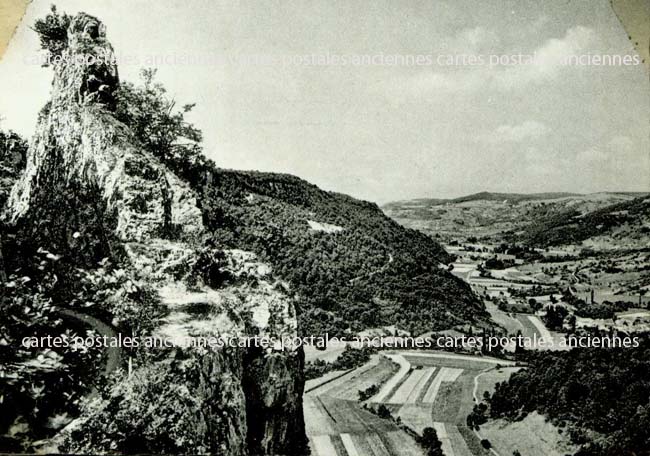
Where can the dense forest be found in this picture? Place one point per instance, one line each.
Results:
(601, 395)
(570, 227)
(370, 273)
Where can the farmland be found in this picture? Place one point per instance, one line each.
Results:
(446, 398)
(421, 389)
(551, 268)
(529, 324)
(429, 389)
(346, 427)
(346, 385)
(336, 424)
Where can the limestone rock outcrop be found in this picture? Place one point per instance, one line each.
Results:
(97, 182)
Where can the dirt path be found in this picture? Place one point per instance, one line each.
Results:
(113, 354)
(480, 359)
(475, 391)
(476, 401)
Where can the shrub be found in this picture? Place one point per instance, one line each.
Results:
(53, 32)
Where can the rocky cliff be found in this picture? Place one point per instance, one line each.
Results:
(90, 192)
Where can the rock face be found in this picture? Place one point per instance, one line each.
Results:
(78, 139)
(86, 178)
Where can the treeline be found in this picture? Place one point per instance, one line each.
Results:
(596, 310)
(601, 395)
(350, 358)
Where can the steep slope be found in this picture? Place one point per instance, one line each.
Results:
(600, 396)
(92, 196)
(349, 265)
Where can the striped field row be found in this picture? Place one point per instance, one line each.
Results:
(367, 444)
(410, 389)
(445, 374)
(390, 385)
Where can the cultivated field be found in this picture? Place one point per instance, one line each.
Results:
(529, 325)
(436, 389)
(347, 386)
(422, 389)
(504, 319)
(337, 425)
(343, 428)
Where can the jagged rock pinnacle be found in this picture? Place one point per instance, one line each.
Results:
(87, 70)
(79, 143)
(89, 182)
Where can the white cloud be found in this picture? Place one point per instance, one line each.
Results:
(528, 129)
(548, 60)
(475, 40)
(616, 165)
(521, 69)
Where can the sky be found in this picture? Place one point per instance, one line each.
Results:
(478, 113)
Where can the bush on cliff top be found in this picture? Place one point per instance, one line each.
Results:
(53, 32)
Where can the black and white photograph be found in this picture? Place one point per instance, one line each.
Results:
(325, 227)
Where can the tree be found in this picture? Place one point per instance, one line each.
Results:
(158, 124)
(554, 318)
(571, 320)
(431, 442)
(532, 302)
(383, 412)
(519, 347)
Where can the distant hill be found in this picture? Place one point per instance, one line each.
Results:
(624, 224)
(498, 216)
(492, 196)
(510, 197)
